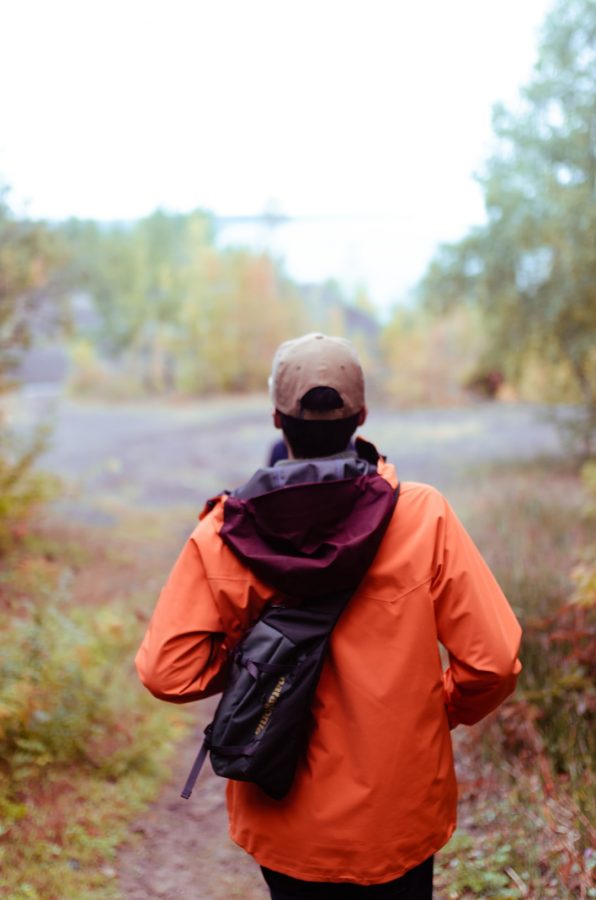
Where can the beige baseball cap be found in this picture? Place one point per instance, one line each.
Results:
(316, 360)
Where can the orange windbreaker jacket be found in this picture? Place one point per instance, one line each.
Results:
(375, 794)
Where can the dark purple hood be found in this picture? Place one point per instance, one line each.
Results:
(310, 528)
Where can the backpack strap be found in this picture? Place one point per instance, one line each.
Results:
(196, 767)
(335, 602)
(254, 668)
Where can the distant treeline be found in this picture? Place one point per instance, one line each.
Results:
(183, 314)
(156, 305)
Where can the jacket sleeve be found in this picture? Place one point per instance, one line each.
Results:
(184, 654)
(475, 624)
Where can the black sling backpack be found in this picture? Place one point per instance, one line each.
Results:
(260, 727)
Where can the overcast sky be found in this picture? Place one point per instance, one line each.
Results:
(375, 110)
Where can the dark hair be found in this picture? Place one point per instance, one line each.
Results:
(311, 438)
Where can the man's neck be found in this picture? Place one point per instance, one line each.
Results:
(344, 454)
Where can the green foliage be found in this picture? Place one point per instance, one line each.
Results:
(137, 273)
(158, 308)
(531, 269)
(65, 695)
(239, 308)
(30, 307)
(528, 523)
(559, 697)
(515, 839)
(560, 677)
(534, 526)
(528, 771)
(175, 312)
(22, 489)
(31, 256)
(81, 742)
(429, 358)
(60, 691)
(466, 868)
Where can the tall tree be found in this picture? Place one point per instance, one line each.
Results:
(30, 297)
(30, 306)
(531, 268)
(137, 273)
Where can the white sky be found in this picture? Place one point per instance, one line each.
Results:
(376, 109)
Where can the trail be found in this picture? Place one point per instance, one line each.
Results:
(155, 454)
(181, 849)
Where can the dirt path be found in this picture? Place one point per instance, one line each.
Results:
(180, 849)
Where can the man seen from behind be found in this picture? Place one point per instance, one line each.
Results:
(374, 796)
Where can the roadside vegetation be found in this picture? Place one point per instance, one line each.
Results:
(530, 270)
(154, 307)
(527, 787)
(82, 744)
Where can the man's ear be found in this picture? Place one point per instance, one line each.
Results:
(276, 419)
(362, 415)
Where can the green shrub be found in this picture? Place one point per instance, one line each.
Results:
(534, 526)
(68, 693)
(22, 489)
(83, 747)
(529, 522)
(464, 874)
(558, 695)
(560, 676)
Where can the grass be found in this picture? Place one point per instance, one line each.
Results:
(528, 520)
(65, 843)
(513, 839)
(527, 773)
(82, 744)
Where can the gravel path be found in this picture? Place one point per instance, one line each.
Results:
(151, 455)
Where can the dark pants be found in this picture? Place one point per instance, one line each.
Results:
(417, 884)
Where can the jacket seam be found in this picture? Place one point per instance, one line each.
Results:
(243, 579)
(398, 596)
